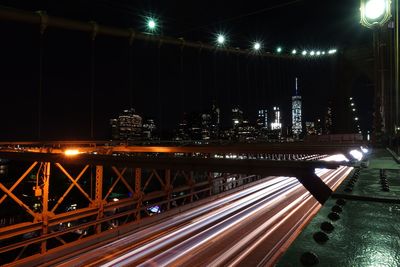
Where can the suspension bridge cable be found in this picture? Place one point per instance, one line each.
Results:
(200, 78)
(257, 12)
(40, 87)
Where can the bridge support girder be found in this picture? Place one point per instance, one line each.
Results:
(314, 184)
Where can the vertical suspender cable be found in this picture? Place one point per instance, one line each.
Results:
(92, 76)
(43, 25)
(40, 93)
(256, 82)
(396, 65)
(92, 89)
(182, 82)
(228, 83)
(130, 86)
(130, 74)
(160, 104)
(200, 79)
(263, 87)
(238, 80)
(247, 85)
(215, 77)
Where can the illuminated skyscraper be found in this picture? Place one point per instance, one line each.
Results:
(128, 126)
(296, 114)
(237, 117)
(262, 119)
(276, 124)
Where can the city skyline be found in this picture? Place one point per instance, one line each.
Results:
(73, 94)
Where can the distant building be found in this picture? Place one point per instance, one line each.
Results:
(318, 127)
(246, 131)
(310, 128)
(262, 119)
(215, 124)
(206, 126)
(328, 119)
(296, 114)
(182, 131)
(149, 127)
(128, 126)
(237, 117)
(276, 124)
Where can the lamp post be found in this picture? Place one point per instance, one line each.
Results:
(374, 15)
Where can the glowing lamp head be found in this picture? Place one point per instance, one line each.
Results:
(294, 52)
(375, 12)
(279, 49)
(374, 8)
(221, 39)
(304, 52)
(151, 25)
(257, 46)
(71, 152)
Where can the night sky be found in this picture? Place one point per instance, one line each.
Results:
(164, 81)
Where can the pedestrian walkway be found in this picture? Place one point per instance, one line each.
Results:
(359, 225)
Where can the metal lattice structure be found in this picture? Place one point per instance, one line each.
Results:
(68, 202)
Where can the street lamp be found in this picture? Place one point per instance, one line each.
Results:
(374, 15)
(257, 46)
(151, 25)
(221, 39)
(375, 12)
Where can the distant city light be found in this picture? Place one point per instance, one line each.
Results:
(257, 46)
(221, 39)
(294, 51)
(323, 52)
(356, 118)
(354, 109)
(304, 52)
(279, 49)
(318, 53)
(71, 152)
(375, 8)
(312, 53)
(350, 98)
(332, 51)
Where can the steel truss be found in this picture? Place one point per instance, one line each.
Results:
(51, 226)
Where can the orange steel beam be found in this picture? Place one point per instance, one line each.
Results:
(61, 199)
(19, 181)
(121, 175)
(74, 182)
(110, 147)
(254, 166)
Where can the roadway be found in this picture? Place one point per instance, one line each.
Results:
(247, 228)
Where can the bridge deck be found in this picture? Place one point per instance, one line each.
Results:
(366, 224)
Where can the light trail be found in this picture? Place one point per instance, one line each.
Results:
(244, 220)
